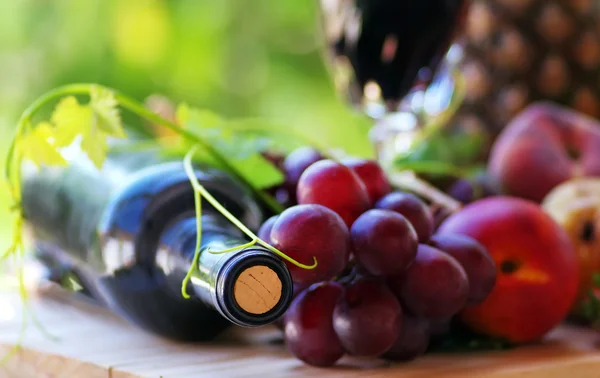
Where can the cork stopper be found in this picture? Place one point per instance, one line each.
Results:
(257, 289)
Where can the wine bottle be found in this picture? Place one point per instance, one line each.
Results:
(128, 234)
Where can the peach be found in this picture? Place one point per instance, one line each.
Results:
(538, 271)
(542, 147)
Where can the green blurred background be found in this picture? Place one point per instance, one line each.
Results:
(257, 58)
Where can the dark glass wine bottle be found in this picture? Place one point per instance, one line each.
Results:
(128, 234)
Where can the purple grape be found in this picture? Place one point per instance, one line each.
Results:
(367, 318)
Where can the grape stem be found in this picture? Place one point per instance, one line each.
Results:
(139, 109)
(408, 180)
(199, 190)
(198, 207)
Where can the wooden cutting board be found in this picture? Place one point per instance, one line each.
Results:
(94, 343)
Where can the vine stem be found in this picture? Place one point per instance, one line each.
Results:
(243, 246)
(408, 180)
(141, 110)
(188, 276)
(134, 107)
(12, 171)
(187, 162)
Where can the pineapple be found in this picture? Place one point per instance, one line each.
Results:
(520, 51)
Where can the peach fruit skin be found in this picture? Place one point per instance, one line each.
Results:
(531, 155)
(527, 303)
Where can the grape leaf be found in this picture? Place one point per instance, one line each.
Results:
(182, 113)
(197, 119)
(456, 147)
(105, 107)
(95, 146)
(444, 154)
(70, 119)
(38, 146)
(219, 133)
(279, 135)
(259, 172)
(243, 150)
(93, 122)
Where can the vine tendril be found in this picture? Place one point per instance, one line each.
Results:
(200, 191)
(16, 155)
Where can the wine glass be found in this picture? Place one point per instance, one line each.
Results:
(388, 44)
(397, 61)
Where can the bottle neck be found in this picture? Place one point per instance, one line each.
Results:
(250, 287)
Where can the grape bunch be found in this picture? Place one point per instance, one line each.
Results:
(384, 280)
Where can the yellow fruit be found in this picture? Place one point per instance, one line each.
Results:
(575, 205)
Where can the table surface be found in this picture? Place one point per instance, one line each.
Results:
(94, 343)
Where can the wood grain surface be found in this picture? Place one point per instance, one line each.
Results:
(94, 343)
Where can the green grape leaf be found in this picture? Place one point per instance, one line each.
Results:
(94, 145)
(243, 150)
(38, 146)
(182, 113)
(279, 135)
(70, 119)
(198, 119)
(237, 146)
(259, 172)
(105, 108)
(444, 154)
(466, 147)
(433, 167)
(457, 147)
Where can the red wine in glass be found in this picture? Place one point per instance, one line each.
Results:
(389, 45)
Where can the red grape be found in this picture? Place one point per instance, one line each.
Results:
(474, 258)
(462, 190)
(298, 289)
(295, 164)
(367, 318)
(279, 192)
(309, 332)
(304, 231)
(264, 233)
(467, 191)
(335, 186)
(384, 242)
(434, 286)
(413, 340)
(439, 327)
(414, 209)
(372, 175)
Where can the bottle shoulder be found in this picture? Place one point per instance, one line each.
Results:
(153, 196)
